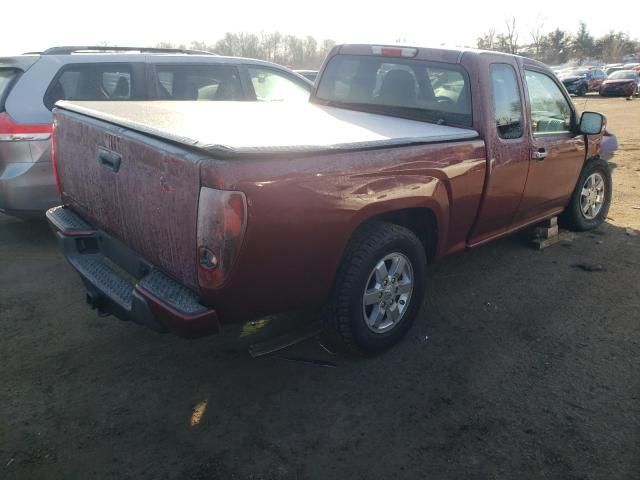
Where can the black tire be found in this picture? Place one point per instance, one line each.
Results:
(344, 316)
(582, 91)
(573, 216)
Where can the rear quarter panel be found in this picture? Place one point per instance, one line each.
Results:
(303, 211)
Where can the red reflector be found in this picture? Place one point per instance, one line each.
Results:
(8, 126)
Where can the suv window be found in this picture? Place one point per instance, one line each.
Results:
(271, 85)
(416, 89)
(6, 78)
(90, 82)
(550, 110)
(507, 106)
(198, 82)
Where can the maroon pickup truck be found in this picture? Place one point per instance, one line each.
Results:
(186, 217)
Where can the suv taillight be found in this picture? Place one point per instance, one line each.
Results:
(10, 130)
(222, 220)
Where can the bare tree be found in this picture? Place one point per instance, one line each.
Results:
(512, 35)
(487, 40)
(289, 50)
(537, 35)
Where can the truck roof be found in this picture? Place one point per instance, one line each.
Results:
(449, 55)
(232, 129)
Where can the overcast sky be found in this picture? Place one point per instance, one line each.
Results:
(38, 24)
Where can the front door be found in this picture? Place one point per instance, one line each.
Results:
(557, 153)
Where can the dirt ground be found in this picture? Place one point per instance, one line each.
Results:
(524, 365)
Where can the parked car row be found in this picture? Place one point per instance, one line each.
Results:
(31, 84)
(619, 82)
(188, 217)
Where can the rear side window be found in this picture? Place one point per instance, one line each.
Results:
(90, 82)
(271, 85)
(198, 82)
(507, 106)
(7, 75)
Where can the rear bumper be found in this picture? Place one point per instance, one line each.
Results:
(27, 189)
(122, 283)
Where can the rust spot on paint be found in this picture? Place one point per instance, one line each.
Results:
(166, 186)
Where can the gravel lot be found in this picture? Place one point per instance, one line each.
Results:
(524, 365)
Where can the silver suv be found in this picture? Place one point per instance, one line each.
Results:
(30, 85)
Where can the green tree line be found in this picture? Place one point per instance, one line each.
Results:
(560, 46)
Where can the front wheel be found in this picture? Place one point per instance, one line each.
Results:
(378, 290)
(591, 198)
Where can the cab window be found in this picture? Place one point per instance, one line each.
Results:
(404, 87)
(507, 106)
(550, 110)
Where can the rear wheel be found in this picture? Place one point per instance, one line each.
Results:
(378, 290)
(591, 198)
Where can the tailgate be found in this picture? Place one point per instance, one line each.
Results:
(137, 188)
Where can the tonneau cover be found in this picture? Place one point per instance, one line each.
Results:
(231, 129)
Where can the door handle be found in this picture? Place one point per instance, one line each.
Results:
(539, 154)
(109, 159)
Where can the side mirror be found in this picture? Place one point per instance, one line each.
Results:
(591, 123)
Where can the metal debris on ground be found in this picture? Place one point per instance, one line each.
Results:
(326, 349)
(309, 361)
(587, 267)
(631, 232)
(276, 344)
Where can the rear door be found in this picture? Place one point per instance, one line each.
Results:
(557, 153)
(507, 150)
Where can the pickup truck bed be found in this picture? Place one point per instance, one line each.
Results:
(221, 128)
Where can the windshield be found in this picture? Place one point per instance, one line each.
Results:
(6, 76)
(623, 75)
(415, 89)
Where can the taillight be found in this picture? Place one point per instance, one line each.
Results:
(54, 162)
(222, 220)
(394, 51)
(12, 131)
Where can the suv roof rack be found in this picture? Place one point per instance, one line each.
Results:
(106, 49)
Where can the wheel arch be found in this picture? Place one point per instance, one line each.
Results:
(424, 221)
